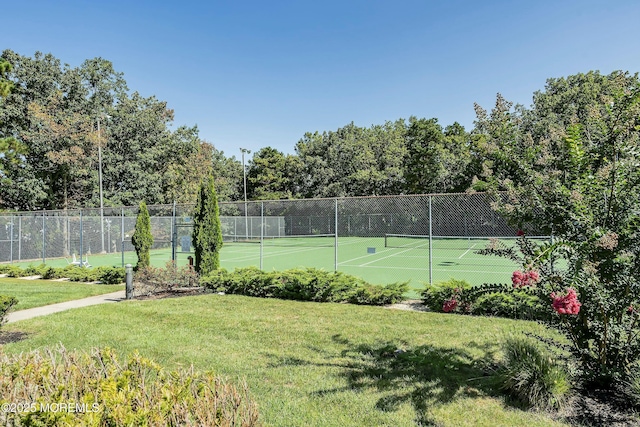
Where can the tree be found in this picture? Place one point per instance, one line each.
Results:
(352, 161)
(50, 143)
(272, 175)
(437, 161)
(207, 230)
(569, 166)
(142, 238)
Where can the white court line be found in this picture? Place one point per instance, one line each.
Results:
(467, 251)
(365, 256)
(388, 256)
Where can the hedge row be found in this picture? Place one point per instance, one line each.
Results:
(105, 275)
(304, 285)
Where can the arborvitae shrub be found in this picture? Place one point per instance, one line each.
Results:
(207, 230)
(142, 238)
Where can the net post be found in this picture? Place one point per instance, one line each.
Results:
(335, 232)
(261, 232)
(430, 244)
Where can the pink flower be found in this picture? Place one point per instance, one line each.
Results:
(449, 305)
(566, 304)
(520, 279)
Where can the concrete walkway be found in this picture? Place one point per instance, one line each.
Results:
(62, 306)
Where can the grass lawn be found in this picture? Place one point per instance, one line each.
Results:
(308, 363)
(36, 293)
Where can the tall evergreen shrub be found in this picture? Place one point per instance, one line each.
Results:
(142, 238)
(207, 231)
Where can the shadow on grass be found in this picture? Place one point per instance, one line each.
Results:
(422, 376)
(7, 337)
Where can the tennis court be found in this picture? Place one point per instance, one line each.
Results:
(376, 259)
(434, 240)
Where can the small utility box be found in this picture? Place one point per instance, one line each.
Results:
(371, 250)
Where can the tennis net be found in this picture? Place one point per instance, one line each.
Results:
(305, 241)
(409, 241)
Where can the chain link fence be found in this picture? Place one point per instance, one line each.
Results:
(419, 239)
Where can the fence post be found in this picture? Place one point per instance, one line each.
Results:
(81, 236)
(20, 238)
(43, 238)
(11, 241)
(122, 234)
(430, 245)
(174, 234)
(335, 230)
(129, 281)
(261, 231)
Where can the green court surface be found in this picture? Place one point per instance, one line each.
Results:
(376, 259)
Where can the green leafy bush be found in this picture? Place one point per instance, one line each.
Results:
(304, 285)
(506, 301)
(6, 304)
(11, 270)
(80, 274)
(449, 296)
(111, 275)
(107, 392)
(533, 376)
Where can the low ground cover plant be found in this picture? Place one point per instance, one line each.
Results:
(104, 391)
(307, 284)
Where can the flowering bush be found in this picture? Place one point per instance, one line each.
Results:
(568, 168)
(450, 296)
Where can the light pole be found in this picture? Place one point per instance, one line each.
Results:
(244, 178)
(100, 179)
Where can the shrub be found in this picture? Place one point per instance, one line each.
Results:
(532, 376)
(108, 392)
(207, 230)
(111, 275)
(11, 270)
(142, 238)
(81, 274)
(506, 301)
(447, 296)
(150, 280)
(6, 304)
(631, 387)
(304, 285)
(568, 168)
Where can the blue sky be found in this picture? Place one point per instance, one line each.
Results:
(262, 73)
